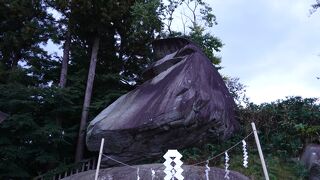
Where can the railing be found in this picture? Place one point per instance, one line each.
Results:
(57, 174)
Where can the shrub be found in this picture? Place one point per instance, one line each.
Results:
(285, 125)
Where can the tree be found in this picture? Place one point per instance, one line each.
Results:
(87, 99)
(24, 26)
(95, 19)
(30, 141)
(196, 15)
(237, 91)
(134, 35)
(64, 8)
(65, 60)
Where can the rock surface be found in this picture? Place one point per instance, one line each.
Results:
(183, 102)
(310, 155)
(128, 173)
(315, 171)
(311, 159)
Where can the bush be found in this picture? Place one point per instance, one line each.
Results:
(285, 125)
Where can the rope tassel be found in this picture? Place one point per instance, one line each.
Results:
(226, 164)
(138, 177)
(153, 174)
(245, 154)
(207, 170)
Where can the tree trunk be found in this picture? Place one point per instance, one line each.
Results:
(65, 60)
(64, 69)
(87, 99)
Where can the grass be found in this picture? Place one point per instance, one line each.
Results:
(279, 167)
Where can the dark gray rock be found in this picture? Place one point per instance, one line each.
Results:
(184, 102)
(128, 173)
(311, 159)
(315, 171)
(310, 155)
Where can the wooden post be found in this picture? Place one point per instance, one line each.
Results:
(99, 159)
(264, 167)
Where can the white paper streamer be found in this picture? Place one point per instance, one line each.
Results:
(245, 154)
(153, 174)
(207, 170)
(226, 176)
(173, 172)
(138, 177)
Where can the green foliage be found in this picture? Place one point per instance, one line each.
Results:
(30, 140)
(208, 43)
(286, 125)
(197, 23)
(24, 26)
(237, 91)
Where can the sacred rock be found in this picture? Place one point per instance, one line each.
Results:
(183, 102)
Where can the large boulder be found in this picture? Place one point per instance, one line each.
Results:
(183, 102)
(130, 173)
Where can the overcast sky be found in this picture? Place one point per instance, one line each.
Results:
(273, 46)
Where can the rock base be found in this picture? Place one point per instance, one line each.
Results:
(130, 173)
